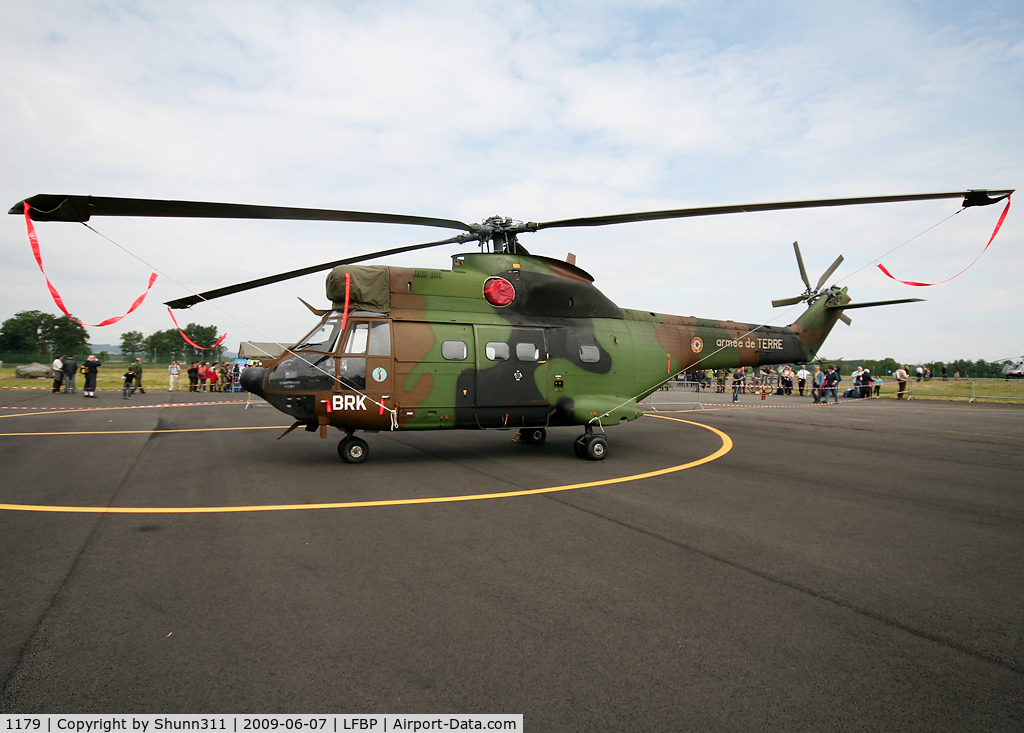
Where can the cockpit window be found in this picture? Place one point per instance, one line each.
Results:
(323, 337)
(352, 372)
(380, 339)
(357, 338)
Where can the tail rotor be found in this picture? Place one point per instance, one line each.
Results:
(810, 294)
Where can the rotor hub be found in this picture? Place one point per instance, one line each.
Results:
(498, 234)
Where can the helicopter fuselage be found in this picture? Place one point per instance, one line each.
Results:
(500, 341)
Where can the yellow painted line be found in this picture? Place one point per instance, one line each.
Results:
(725, 448)
(135, 432)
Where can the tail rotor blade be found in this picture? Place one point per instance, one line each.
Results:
(845, 319)
(828, 273)
(800, 263)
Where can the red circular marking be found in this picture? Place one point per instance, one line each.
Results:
(498, 291)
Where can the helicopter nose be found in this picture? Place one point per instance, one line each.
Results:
(251, 380)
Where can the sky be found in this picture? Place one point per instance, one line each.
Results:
(534, 110)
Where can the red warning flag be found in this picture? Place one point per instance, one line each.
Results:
(925, 285)
(34, 241)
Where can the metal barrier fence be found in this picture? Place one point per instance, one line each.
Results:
(253, 400)
(675, 395)
(970, 390)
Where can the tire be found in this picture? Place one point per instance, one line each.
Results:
(579, 446)
(597, 448)
(353, 450)
(534, 436)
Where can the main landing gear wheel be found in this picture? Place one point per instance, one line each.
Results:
(534, 436)
(591, 447)
(353, 449)
(597, 448)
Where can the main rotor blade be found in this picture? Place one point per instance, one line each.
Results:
(269, 280)
(874, 303)
(787, 301)
(971, 198)
(800, 263)
(825, 275)
(58, 207)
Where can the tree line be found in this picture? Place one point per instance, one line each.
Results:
(170, 344)
(37, 334)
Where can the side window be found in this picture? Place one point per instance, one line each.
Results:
(527, 352)
(352, 372)
(590, 354)
(496, 351)
(357, 337)
(380, 339)
(454, 350)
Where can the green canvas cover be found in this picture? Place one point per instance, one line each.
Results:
(370, 289)
(35, 370)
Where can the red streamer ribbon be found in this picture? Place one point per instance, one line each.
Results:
(185, 335)
(348, 287)
(990, 239)
(34, 241)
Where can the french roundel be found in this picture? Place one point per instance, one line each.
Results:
(498, 291)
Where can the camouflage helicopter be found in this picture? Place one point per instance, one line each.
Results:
(503, 340)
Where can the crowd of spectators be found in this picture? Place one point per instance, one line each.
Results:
(202, 376)
(821, 384)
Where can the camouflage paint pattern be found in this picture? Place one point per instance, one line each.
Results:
(559, 353)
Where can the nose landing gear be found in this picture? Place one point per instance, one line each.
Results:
(590, 446)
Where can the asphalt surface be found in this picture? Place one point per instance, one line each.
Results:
(845, 567)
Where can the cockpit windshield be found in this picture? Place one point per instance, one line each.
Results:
(323, 337)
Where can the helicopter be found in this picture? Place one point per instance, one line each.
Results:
(503, 340)
(1014, 368)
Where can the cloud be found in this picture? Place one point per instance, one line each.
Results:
(533, 110)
